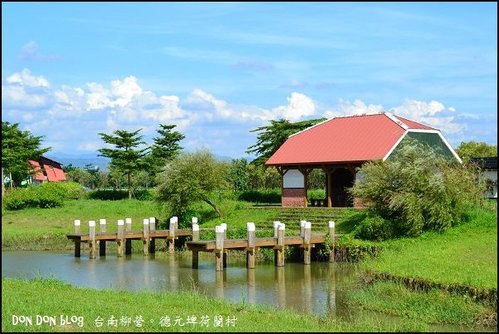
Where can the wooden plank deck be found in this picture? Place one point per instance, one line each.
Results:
(279, 242)
(159, 234)
(242, 244)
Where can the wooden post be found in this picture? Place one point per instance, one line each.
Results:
(152, 231)
(175, 220)
(145, 238)
(120, 237)
(171, 235)
(91, 241)
(250, 252)
(332, 237)
(276, 227)
(224, 226)
(302, 227)
(307, 234)
(195, 229)
(195, 253)
(280, 246)
(77, 241)
(77, 226)
(128, 242)
(102, 243)
(329, 189)
(219, 248)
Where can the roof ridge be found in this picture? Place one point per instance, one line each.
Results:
(397, 121)
(346, 116)
(310, 127)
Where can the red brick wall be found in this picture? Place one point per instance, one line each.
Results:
(293, 197)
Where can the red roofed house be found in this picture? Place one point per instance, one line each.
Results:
(339, 146)
(46, 170)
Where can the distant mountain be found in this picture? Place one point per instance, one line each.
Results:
(80, 160)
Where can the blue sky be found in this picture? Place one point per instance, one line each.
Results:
(218, 70)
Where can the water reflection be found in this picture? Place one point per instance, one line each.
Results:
(307, 287)
(331, 289)
(250, 274)
(319, 288)
(219, 286)
(280, 283)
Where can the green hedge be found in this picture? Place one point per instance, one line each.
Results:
(46, 195)
(261, 196)
(116, 195)
(377, 229)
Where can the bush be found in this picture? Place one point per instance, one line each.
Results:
(261, 196)
(63, 190)
(376, 228)
(316, 194)
(418, 189)
(32, 197)
(116, 195)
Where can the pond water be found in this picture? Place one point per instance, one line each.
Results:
(316, 288)
(319, 288)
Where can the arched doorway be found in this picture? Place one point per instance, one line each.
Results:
(341, 179)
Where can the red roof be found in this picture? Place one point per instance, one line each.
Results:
(38, 171)
(345, 139)
(48, 169)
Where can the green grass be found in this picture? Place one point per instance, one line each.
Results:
(59, 221)
(434, 306)
(54, 298)
(466, 254)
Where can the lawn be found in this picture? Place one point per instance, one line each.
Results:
(160, 312)
(466, 254)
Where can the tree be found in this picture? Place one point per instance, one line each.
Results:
(189, 178)
(17, 148)
(77, 174)
(271, 137)
(418, 189)
(238, 174)
(472, 149)
(125, 157)
(166, 146)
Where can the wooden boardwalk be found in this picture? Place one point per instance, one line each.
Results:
(123, 237)
(306, 241)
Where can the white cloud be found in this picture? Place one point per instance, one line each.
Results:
(298, 107)
(124, 91)
(30, 51)
(417, 109)
(356, 107)
(25, 78)
(432, 113)
(72, 117)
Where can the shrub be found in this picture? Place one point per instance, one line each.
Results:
(116, 195)
(315, 194)
(376, 228)
(32, 197)
(261, 196)
(63, 190)
(418, 189)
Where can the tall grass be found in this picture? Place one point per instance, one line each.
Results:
(465, 255)
(435, 306)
